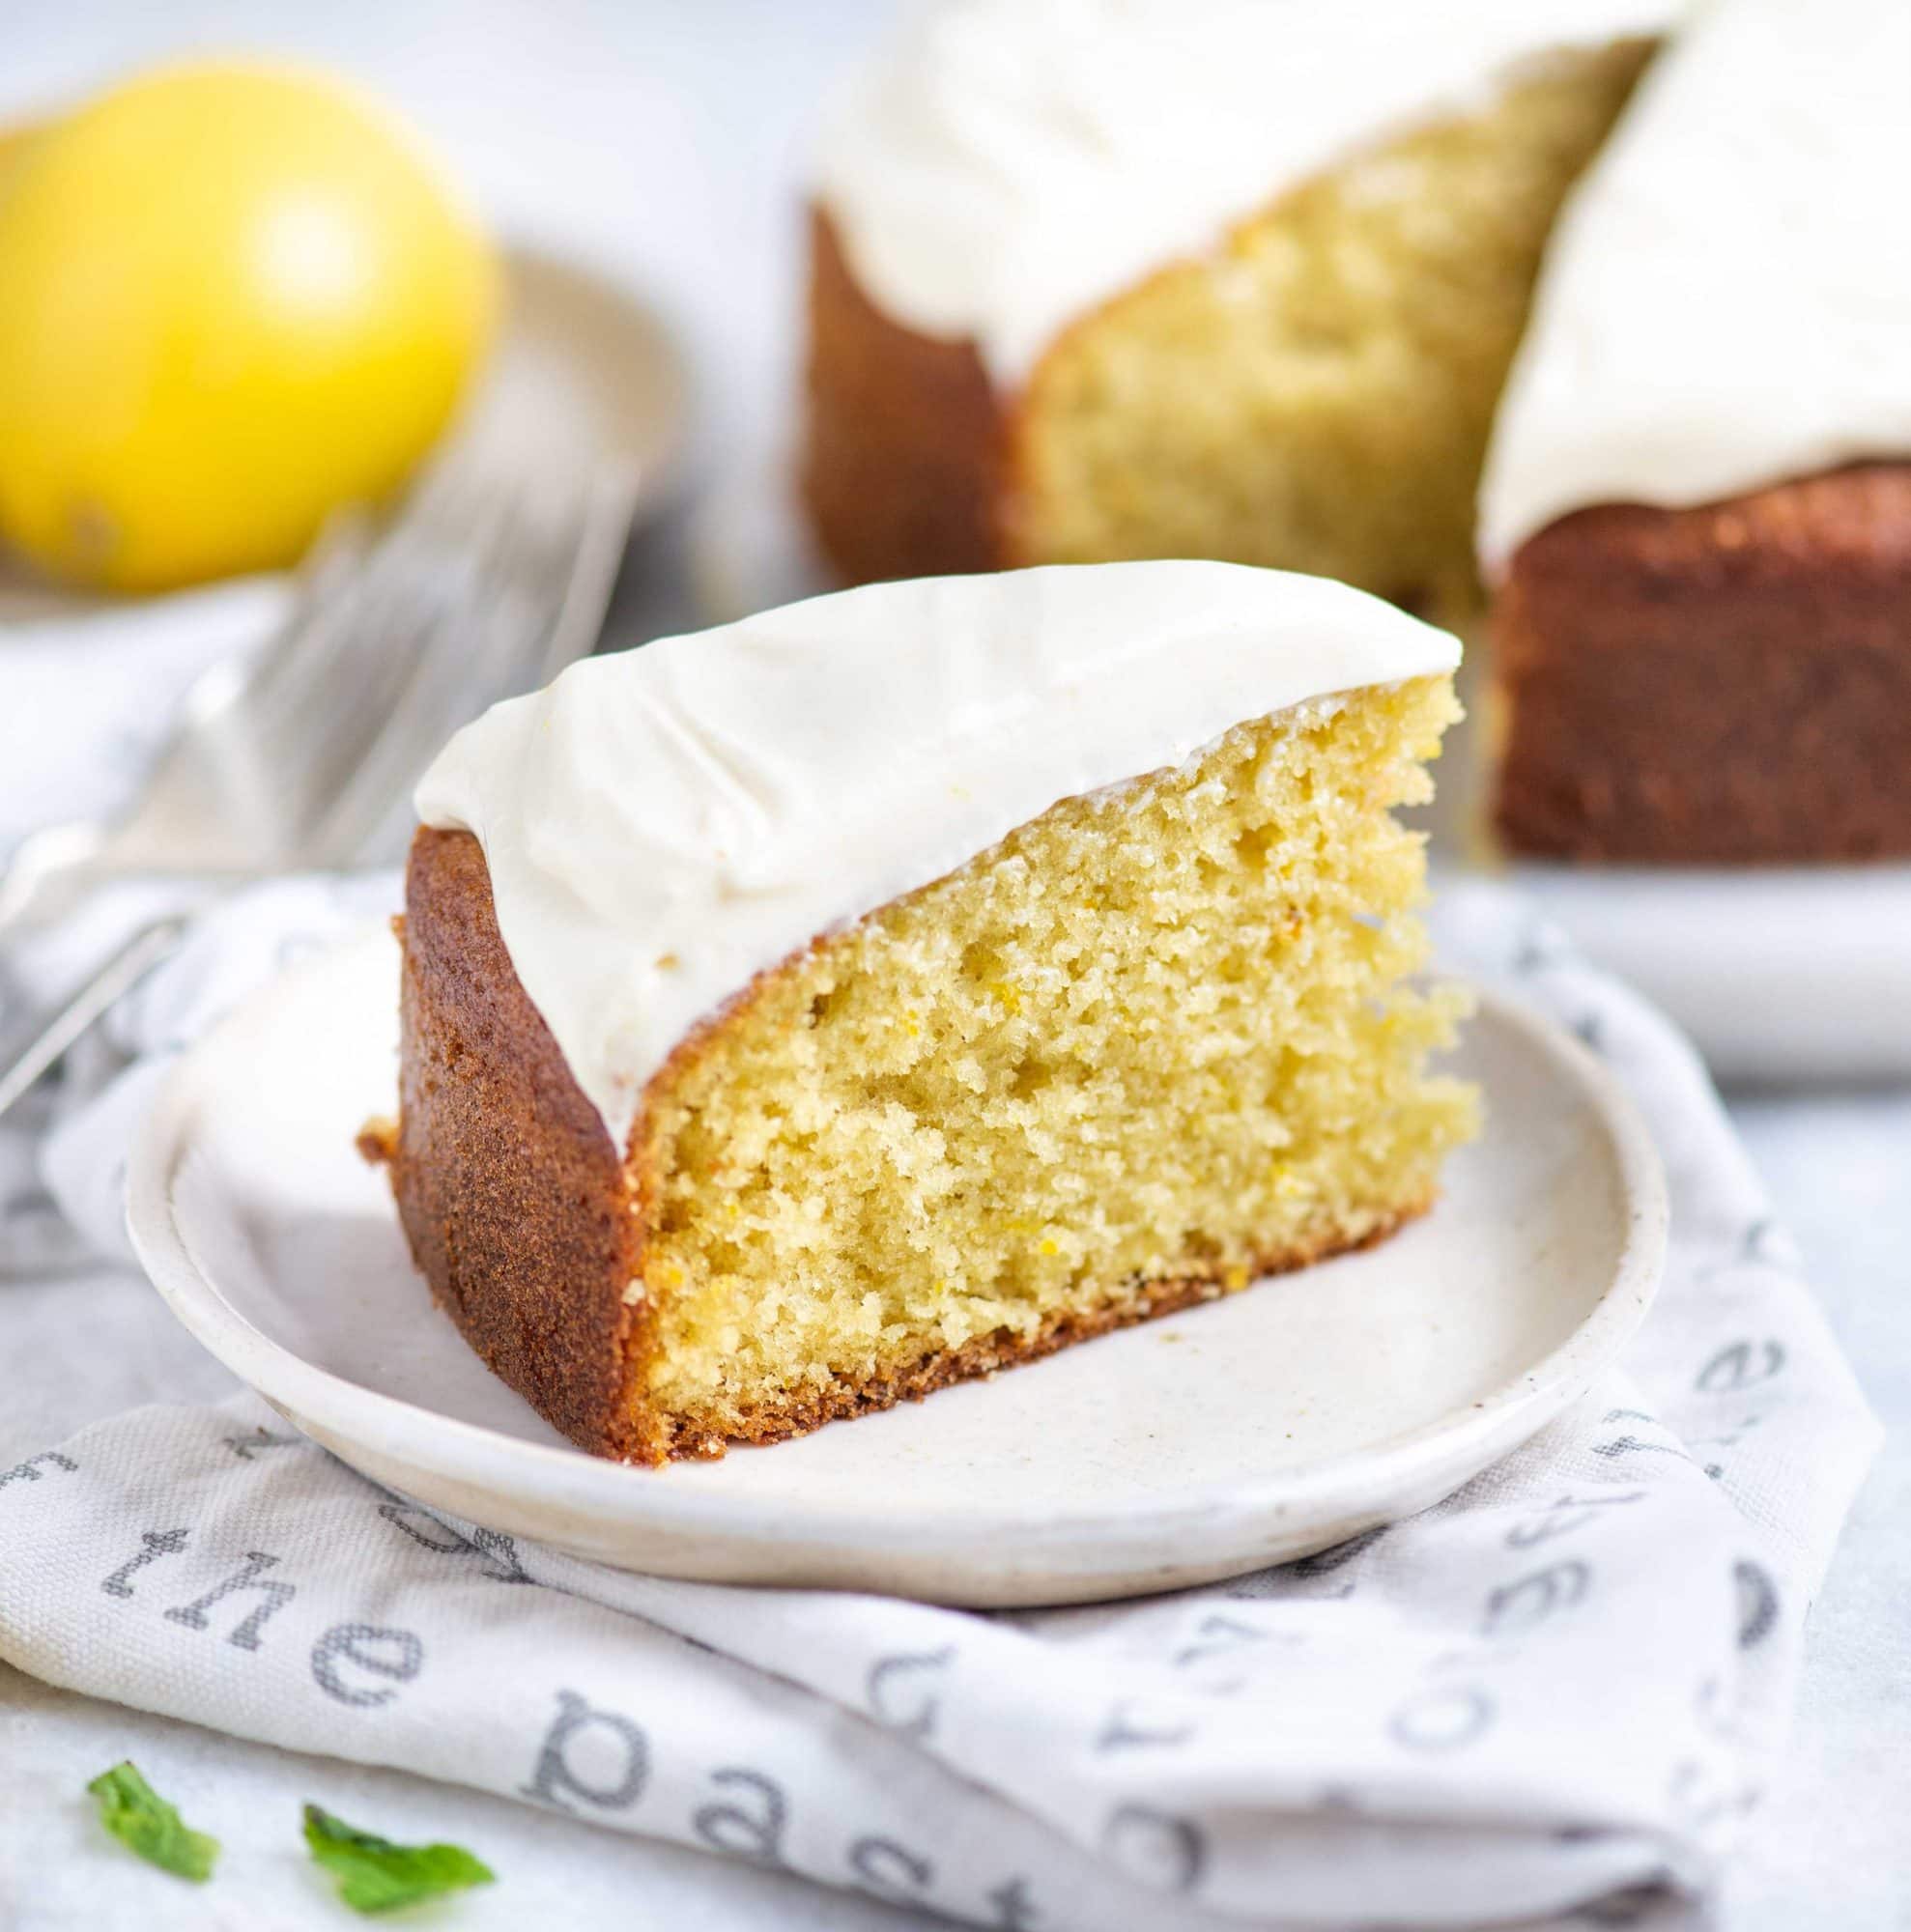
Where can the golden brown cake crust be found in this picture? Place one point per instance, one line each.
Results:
(903, 441)
(1729, 683)
(527, 1225)
(511, 1195)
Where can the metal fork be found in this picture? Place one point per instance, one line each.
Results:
(482, 588)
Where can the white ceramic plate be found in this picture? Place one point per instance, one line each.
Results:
(1783, 975)
(1244, 1433)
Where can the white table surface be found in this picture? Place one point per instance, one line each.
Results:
(664, 141)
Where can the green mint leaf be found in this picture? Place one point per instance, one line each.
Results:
(375, 1875)
(143, 1822)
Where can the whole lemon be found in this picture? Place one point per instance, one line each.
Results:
(232, 299)
(13, 144)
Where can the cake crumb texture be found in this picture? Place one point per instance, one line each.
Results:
(1318, 395)
(1150, 1046)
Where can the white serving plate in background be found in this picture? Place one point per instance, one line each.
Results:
(1787, 975)
(1244, 1433)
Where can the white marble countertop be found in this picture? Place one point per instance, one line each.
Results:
(664, 141)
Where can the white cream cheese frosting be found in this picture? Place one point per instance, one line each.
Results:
(1726, 301)
(1010, 164)
(662, 824)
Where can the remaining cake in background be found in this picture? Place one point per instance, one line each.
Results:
(900, 985)
(1723, 333)
(1232, 278)
(1244, 278)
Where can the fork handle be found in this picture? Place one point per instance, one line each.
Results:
(29, 1052)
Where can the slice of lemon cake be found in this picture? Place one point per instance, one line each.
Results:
(886, 989)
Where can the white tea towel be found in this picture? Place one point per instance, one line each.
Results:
(1560, 1691)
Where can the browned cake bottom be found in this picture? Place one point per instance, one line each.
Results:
(983, 1354)
(1723, 685)
(529, 1227)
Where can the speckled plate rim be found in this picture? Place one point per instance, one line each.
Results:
(1084, 1554)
